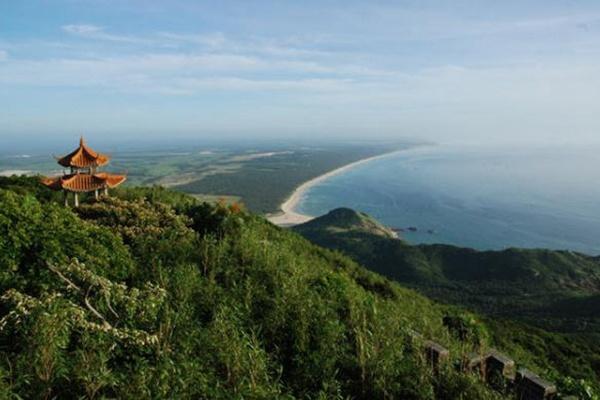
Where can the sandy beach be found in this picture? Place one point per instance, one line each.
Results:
(11, 172)
(289, 217)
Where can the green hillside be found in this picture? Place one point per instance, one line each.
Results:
(558, 291)
(346, 221)
(153, 295)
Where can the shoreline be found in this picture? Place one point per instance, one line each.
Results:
(288, 216)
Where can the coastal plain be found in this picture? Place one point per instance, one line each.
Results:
(260, 176)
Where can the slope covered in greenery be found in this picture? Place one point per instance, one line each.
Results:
(157, 296)
(345, 220)
(554, 290)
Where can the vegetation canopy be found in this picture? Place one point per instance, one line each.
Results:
(153, 295)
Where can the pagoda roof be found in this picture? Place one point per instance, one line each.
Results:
(84, 182)
(83, 157)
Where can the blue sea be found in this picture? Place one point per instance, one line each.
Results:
(480, 197)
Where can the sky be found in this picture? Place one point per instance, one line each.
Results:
(457, 71)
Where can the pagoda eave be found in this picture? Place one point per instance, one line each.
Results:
(83, 183)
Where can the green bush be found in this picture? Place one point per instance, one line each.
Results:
(133, 299)
(33, 235)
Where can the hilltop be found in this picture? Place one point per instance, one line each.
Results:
(153, 294)
(345, 221)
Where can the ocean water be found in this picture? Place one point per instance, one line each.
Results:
(480, 197)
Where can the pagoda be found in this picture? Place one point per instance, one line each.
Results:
(83, 175)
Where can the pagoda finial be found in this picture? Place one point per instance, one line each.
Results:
(81, 141)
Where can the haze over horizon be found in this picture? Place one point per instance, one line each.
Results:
(447, 71)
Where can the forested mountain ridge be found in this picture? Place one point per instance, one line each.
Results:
(558, 291)
(153, 295)
(526, 271)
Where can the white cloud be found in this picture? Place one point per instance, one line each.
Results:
(400, 76)
(82, 29)
(213, 40)
(192, 85)
(174, 73)
(168, 67)
(219, 41)
(98, 33)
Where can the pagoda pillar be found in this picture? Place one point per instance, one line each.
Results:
(66, 198)
(106, 190)
(96, 194)
(76, 199)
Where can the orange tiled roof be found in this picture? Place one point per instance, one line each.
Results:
(83, 157)
(112, 180)
(84, 182)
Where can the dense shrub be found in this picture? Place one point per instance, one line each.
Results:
(131, 299)
(33, 235)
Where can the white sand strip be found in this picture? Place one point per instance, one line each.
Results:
(289, 217)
